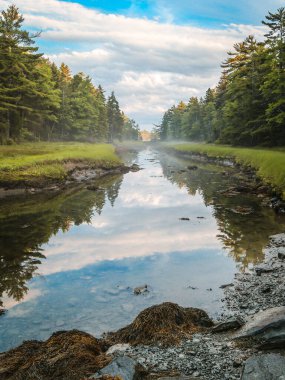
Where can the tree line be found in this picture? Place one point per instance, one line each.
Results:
(40, 101)
(247, 107)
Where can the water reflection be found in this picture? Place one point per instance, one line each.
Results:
(28, 222)
(244, 236)
(70, 260)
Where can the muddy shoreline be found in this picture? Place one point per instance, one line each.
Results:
(272, 197)
(76, 174)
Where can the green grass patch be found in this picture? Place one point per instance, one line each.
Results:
(38, 161)
(268, 163)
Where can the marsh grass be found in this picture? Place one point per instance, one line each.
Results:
(268, 163)
(38, 161)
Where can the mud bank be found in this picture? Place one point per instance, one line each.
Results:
(77, 173)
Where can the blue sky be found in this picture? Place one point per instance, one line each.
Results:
(203, 12)
(151, 53)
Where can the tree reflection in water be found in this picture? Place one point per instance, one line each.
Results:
(28, 222)
(244, 236)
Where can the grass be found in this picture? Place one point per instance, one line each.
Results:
(42, 161)
(268, 163)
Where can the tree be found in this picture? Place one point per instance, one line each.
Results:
(102, 114)
(274, 84)
(115, 118)
(18, 59)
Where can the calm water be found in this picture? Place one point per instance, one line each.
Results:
(71, 260)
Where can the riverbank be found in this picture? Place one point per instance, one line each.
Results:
(269, 164)
(37, 166)
(170, 341)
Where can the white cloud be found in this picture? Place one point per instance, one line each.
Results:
(150, 65)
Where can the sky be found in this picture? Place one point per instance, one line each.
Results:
(151, 53)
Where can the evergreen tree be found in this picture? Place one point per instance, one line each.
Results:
(115, 118)
(18, 60)
(274, 84)
(102, 114)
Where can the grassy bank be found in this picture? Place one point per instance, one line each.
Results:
(268, 163)
(37, 162)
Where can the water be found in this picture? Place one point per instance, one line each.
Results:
(71, 260)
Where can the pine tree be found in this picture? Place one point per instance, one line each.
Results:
(103, 126)
(274, 85)
(115, 118)
(18, 60)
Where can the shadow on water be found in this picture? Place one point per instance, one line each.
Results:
(71, 259)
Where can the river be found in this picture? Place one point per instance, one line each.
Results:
(71, 260)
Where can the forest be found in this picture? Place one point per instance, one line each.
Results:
(247, 107)
(40, 101)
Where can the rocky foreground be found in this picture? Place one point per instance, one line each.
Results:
(168, 341)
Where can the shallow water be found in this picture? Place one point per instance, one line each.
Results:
(71, 260)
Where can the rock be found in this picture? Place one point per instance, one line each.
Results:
(264, 367)
(184, 219)
(260, 270)
(164, 324)
(278, 240)
(229, 324)
(122, 367)
(117, 348)
(281, 254)
(135, 168)
(278, 205)
(265, 326)
(266, 289)
(237, 362)
(141, 289)
(226, 286)
(192, 167)
(277, 341)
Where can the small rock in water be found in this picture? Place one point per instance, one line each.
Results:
(141, 290)
(184, 219)
(226, 286)
(135, 168)
(192, 167)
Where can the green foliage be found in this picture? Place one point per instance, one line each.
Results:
(247, 107)
(115, 118)
(39, 101)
